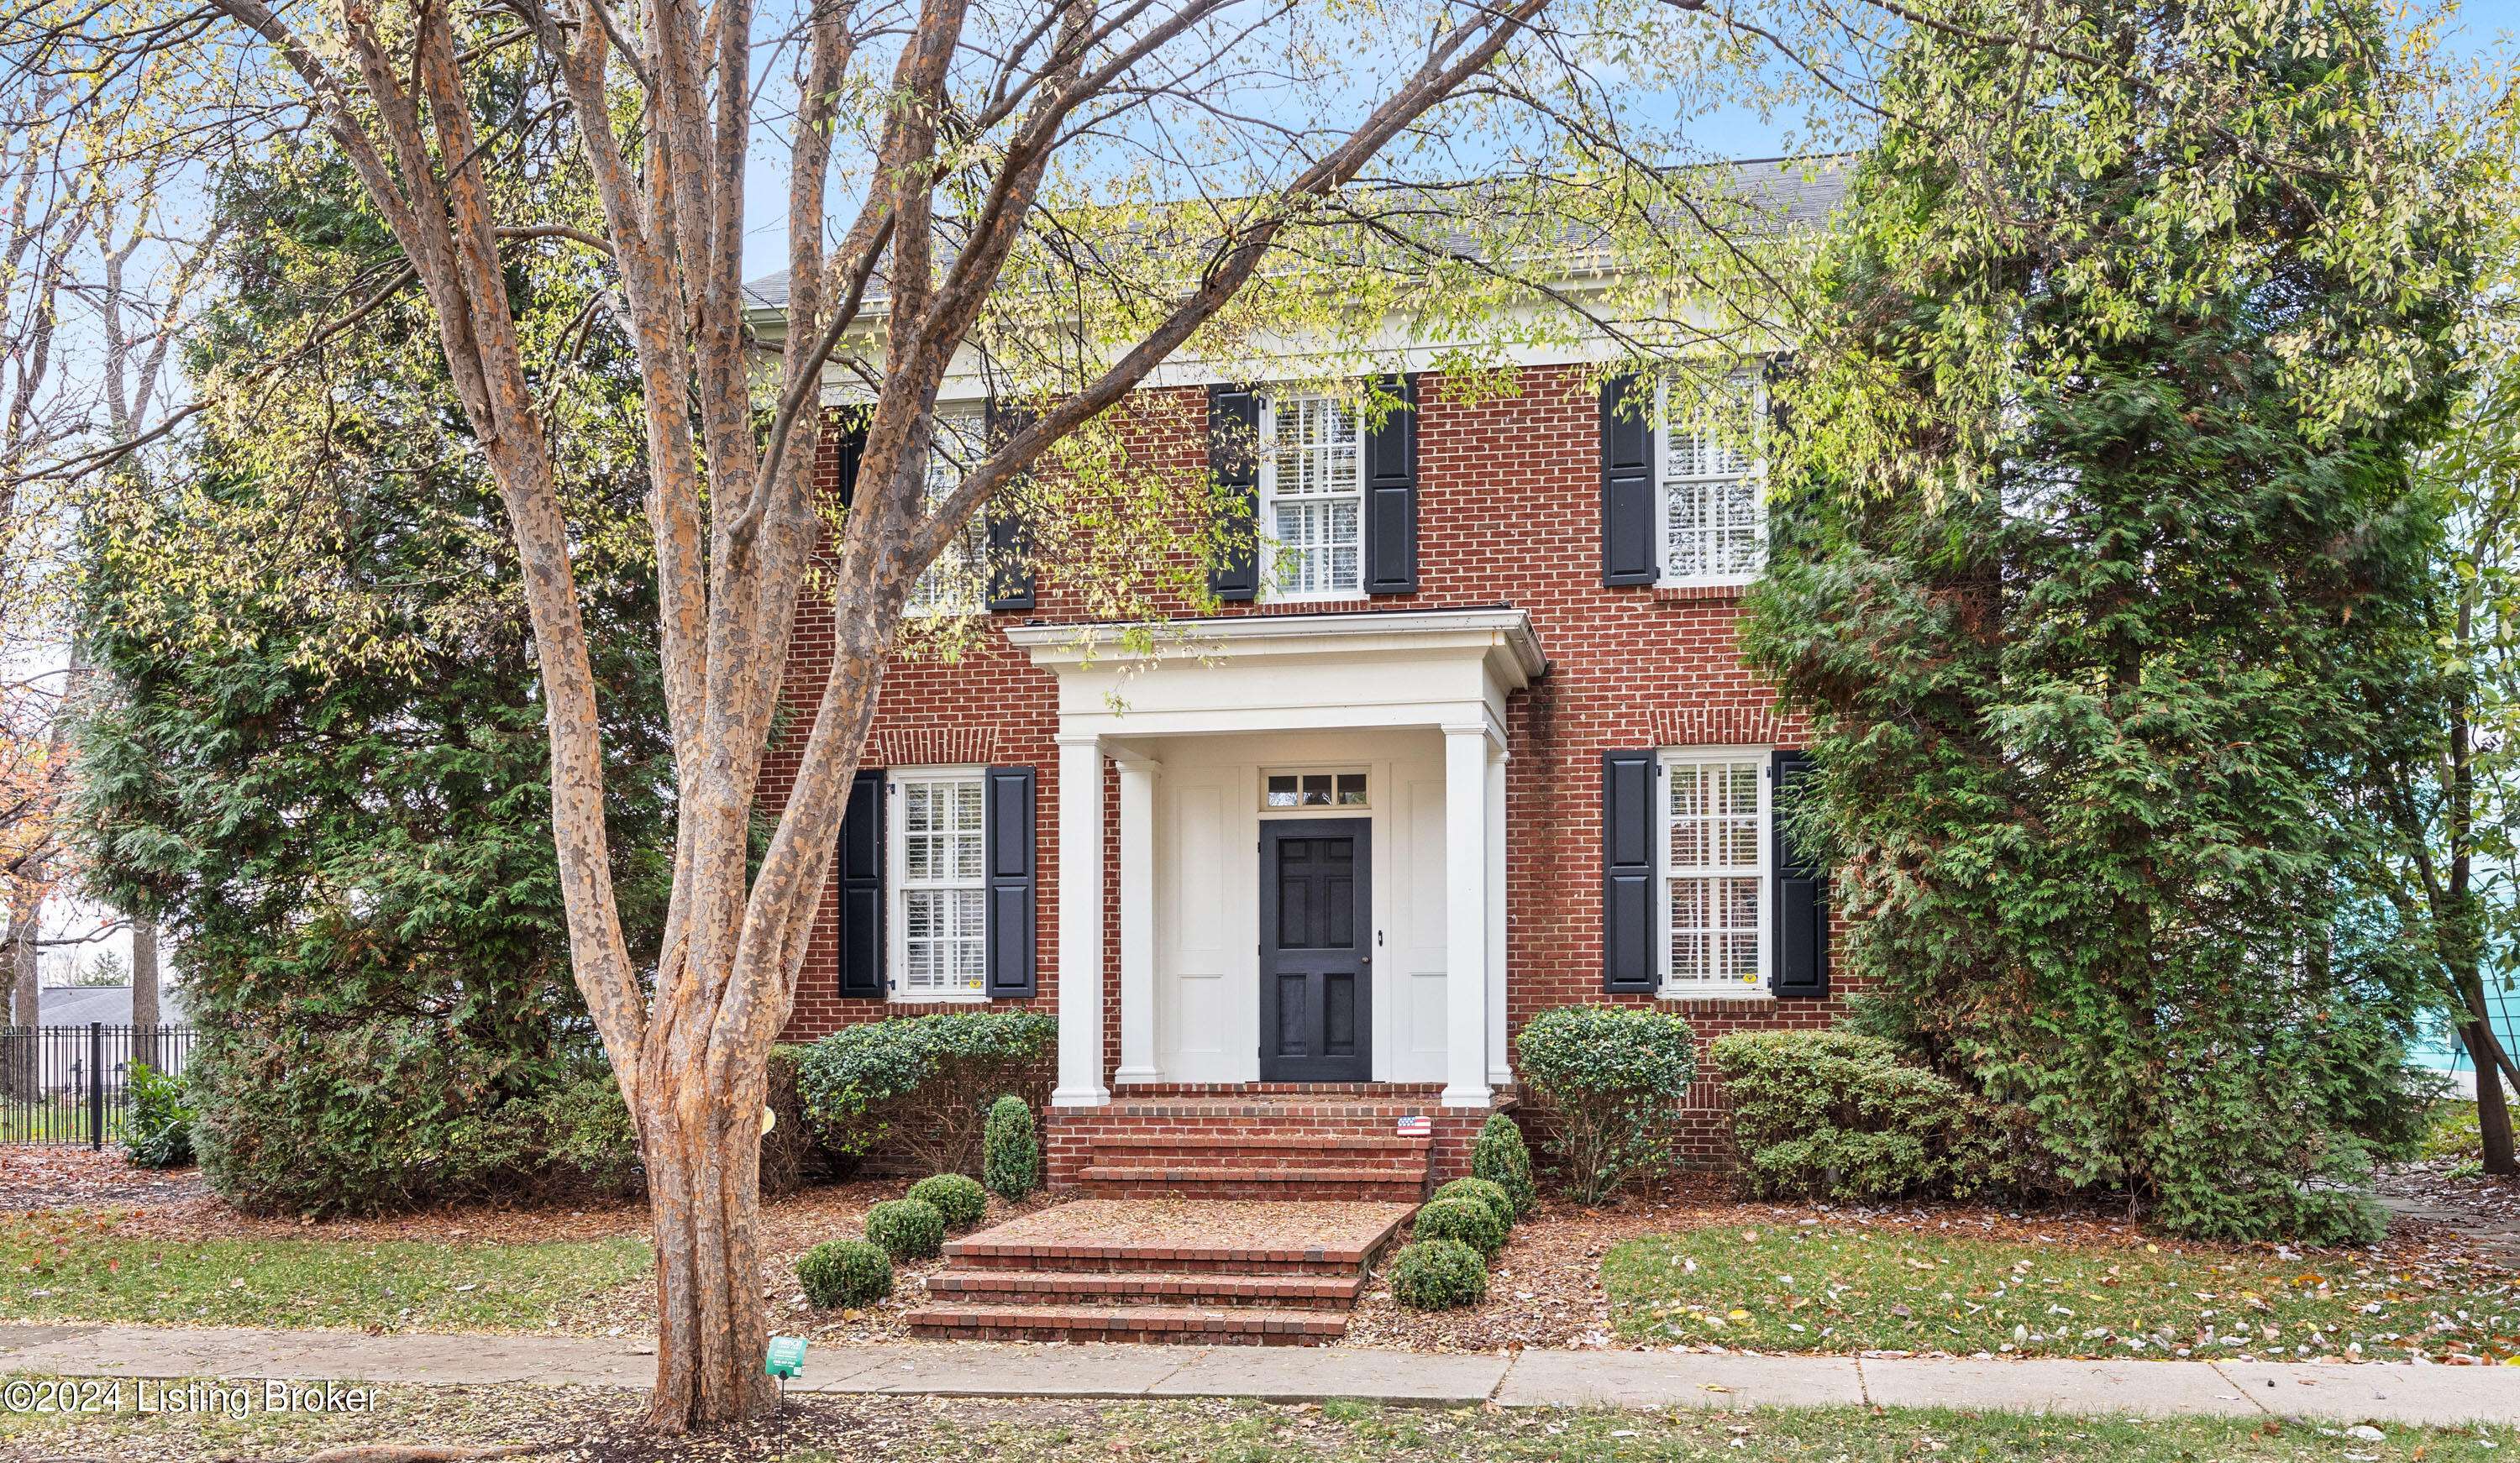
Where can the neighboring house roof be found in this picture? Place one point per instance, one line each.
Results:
(77, 1005)
(1790, 193)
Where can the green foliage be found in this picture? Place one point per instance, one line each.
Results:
(1438, 1275)
(159, 1131)
(2096, 565)
(1011, 1152)
(1493, 1196)
(1610, 1079)
(1468, 1220)
(907, 1228)
(315, 747)
(1838, 1115)
(1498, 1155)
(923, 1083)
(844, 1272)
(961, 1200)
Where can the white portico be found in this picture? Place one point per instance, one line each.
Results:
(1311, 830)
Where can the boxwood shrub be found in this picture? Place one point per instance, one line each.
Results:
(907, 1228)
(1838, 1115)
(923, 1083)
(1610, 1079)
(1470, 1220)
(1493, 1196)
(1438, 1275)
(1499, 1156)
(844, 1272)
(1011, 1150)
(962, 1201)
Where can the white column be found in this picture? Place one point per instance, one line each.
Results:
(1137, 917)
(1080, 924)
(1500, 1065)
(1465, 917)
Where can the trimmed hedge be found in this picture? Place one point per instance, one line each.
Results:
(1612, 1079)
(844, 1272)
(1837, 1115)
(1499, 1156)
(1011, 1150)
(907, 1228)
(1491, 1194)
(1469, 1220)
(923, 1083)
(1438, 1275)
(962, 1201)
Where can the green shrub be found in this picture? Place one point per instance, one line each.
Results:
(1610, 1079)
(1438, 1275)
(790, 1154)
(1493, 1196)
(907, 1228)
(1837, 1115)
(1470, 1220)
(158, 1133)
(844, 1272)
(1011, 1152)
(963, 1202)
(1497, 1155)
(579, 1138)
(920, 1082)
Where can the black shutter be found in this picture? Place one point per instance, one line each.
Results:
(1801, 933)
(1628, 553)
(851, 449)
(1009, 544)
(1391, 495)
(1628, 871)
(1013, 881)
(1233, 456)
(861, 876)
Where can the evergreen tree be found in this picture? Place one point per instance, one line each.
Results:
(332, 787)
(2097, 547)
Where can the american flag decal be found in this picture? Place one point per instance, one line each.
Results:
(1416, 1126)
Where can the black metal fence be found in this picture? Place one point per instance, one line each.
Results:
(72, 1084)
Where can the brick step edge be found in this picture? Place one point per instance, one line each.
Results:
(1295, 1190)
(1243, 1174)
(1303, 1142)
(1244, 1325)
(1124, 1259)
(1145, 1288)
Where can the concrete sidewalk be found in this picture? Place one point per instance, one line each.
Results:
(2328, 1391)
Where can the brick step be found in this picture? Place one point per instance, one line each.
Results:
(1241, 1325)
(1273, 1140)
(1101, 1256)
(1322, 1159)
(1221, 1181)
(987, 1287)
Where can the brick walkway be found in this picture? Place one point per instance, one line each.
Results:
(2332, 1392)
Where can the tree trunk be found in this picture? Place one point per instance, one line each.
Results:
(2493, 1108)
(21, 1067)
(704, 1153)
(144, 993)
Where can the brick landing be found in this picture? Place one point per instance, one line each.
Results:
(1260, 1142)
(1209, 1271)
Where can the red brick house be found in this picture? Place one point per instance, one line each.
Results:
(1470, 739)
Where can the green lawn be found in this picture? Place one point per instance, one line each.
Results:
(52, 1270)
(586, 1425)
(1833, 1287)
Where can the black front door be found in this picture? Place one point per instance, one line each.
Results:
(1315, 944)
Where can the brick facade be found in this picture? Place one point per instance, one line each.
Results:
(1509, 514)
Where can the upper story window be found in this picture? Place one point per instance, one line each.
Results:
(954, 583)
(1312, 498)
(1715, 869)
(1714, 526)
(939, 911)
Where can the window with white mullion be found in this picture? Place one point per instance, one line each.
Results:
(1714, 526)
(939, 908)
(1715, 869)
(952, 584)
(1312, 489)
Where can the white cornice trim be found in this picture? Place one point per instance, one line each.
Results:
(1348, 630)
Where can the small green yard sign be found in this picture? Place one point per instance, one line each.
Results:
(786, 1357)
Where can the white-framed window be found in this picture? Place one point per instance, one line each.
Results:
(1715, 872)
(955, 583)
(1312, 498)
(938, 905)
(1714, 521)
(1309, 789)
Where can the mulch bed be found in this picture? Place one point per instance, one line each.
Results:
(35, 1178)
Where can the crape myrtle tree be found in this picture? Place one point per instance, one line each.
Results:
(1058, 194)
(312, 740)
(2100, 551)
